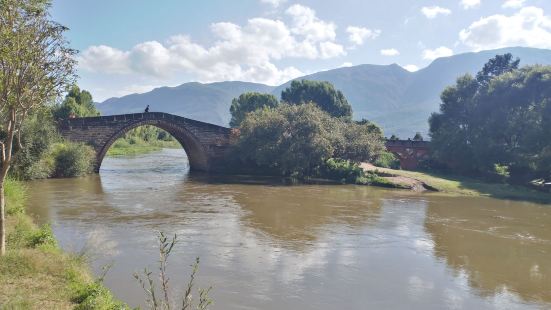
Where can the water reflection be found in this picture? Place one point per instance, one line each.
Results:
(283, 214)
(500, 246)
(265, 245)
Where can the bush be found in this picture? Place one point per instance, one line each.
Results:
(341, 170)
(15, 193)
(297, 140)
(38, 134)
(72, 159)
(291, 139)
(42, 237)
(387, 160)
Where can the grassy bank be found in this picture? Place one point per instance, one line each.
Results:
(123, 147)
(36, 274)
(460, 185)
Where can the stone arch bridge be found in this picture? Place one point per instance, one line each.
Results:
(205, 144)
(409, 152)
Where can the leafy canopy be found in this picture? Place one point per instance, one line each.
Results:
(494, 121)
(36, 64)
(297, 140)
(78, 103)
(322, 94)
(249, 102)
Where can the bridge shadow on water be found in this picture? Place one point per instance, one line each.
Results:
(237, 179)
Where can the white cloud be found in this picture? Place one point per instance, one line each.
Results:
(528, 27)
(390, 52)
(329, 50)
(513, 4)
(441, 51)
(106, 59)
(306, 24)
(411, 68)
(346, 64)
(357, 35)
(469, 4)
(240, 52)
(274, 3)
(433, 11)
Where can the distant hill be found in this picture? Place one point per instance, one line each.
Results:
(204, 102)
(398, 100)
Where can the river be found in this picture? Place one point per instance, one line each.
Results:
(267, 245)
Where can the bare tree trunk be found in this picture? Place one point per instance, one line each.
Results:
(6, 162)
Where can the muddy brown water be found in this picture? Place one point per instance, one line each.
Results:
(267, 245)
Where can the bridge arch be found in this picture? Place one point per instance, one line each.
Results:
(197, 157)
(409, 152)
(206, 144)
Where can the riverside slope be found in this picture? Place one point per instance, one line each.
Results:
(398, 100)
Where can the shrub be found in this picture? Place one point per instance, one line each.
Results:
(341, 170)
(15, 193)
(387, 160)
(72, 159)
(43, 236)
(297, 140)
(38, 135)
(292, 139)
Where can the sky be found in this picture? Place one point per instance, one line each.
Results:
(133, 46)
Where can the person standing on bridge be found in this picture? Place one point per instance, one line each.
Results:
(147, 109)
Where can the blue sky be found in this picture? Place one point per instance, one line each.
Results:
(129, 46)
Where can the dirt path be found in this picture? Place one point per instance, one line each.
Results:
(402, 181)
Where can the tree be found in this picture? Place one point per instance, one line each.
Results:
(291, 139)
(495, 67)
(418, 137)
(297, 140)
(362, 142)
(502, 121)
(249, 102)
(394, 138)
(78, 103)
(35, 66)
(322, 94)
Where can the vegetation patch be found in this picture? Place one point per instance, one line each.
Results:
(466, 186)
(36, 274)
(143, 140)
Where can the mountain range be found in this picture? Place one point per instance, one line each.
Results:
(397, 100)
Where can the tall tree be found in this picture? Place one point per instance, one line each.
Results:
(36, 64)
(323, 94)
(249, 102)
(78, 103)
(502, 121)
(291, 139)
(495, 67)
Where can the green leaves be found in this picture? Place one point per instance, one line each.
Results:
(77, 103)
(323, 94)
(295, 140)
(502, 118)
(249, 102)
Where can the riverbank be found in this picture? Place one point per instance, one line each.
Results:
(36, 274)
(459, 185)
(123, 147)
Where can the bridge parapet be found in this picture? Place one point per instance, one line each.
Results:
(409, 152)
(205, 144)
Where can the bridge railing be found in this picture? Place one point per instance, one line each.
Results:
(97, 120)
(407, 143)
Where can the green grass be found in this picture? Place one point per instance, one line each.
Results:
(36, 274)
(123, 147)
(465, 186)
